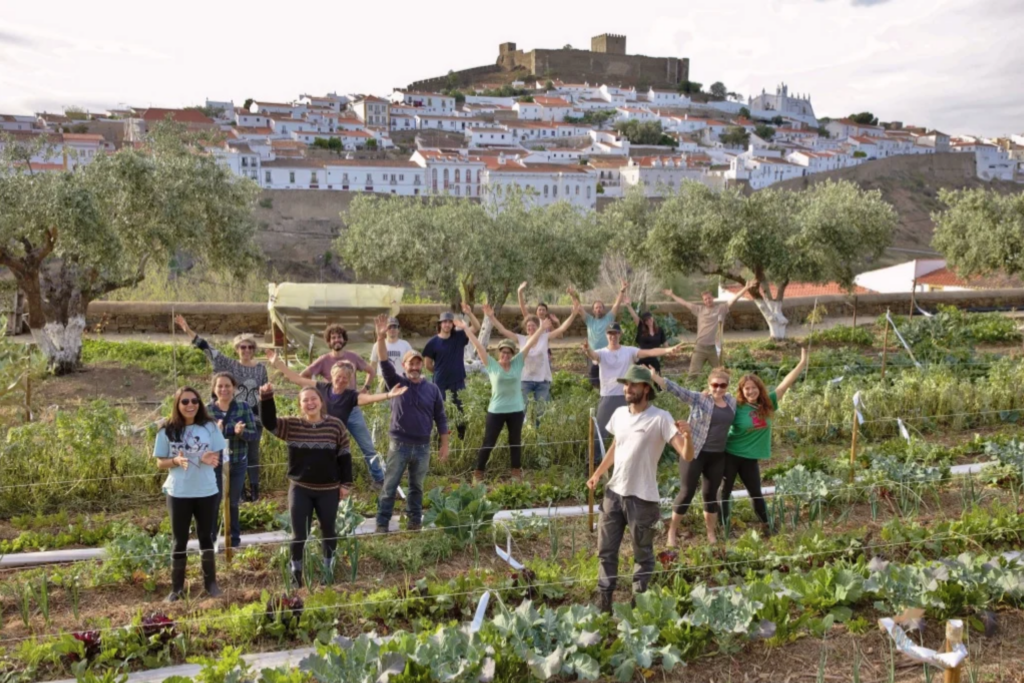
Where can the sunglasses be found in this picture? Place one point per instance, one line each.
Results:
(246, 347)
(716, 385)
(189, 401)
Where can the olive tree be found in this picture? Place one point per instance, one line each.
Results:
(468, 251)
(70, 237)
(826, 233)
(981, 232)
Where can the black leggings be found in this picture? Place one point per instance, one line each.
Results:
(492, 429)
(183, 511)
(302, 503)
(711, 465)
(750, 474)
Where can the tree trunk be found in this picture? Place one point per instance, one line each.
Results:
(772, 313)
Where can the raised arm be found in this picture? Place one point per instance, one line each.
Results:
(619, 299)
(395, 392)
(468, 310)
(268, 411)
(685, 395)
(522, 300)
(502, 330)
(692, 308)
(532, 340)
(481, 350)
(564, 327)
(659, 352)
(632, 313)
(736, 297)
(380, 349)
(791, 378)
(574, 295)
(589, 352)
(277, 362)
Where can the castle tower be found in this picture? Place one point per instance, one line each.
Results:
(609, 43)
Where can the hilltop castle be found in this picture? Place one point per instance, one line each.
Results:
(605, 62)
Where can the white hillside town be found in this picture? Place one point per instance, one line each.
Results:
(560, 142)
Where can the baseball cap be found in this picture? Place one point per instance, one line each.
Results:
(393, 322)
(447, 315)
(411, 353)
(614, 327)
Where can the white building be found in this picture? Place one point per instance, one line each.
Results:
(663, 175)
(845, 128)
(667, 98)
(797, 106)
(545, 183)
(426, 102)
(554, 108)
(404, 178)
(490, 137)
(454, 124)
(528, 111)
(901, 278)
(456, 174)
(373, 111)
(11, 122)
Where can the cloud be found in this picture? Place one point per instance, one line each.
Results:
(7, 38)
(867, 3)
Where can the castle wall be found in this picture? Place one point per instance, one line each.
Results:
(597, 67)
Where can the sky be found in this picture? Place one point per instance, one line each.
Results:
(954, 65)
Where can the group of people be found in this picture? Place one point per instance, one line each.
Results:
(727, 434)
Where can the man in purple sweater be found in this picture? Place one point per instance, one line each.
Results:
(413, 416)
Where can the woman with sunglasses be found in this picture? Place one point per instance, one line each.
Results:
(249, 376)
(711, 415)
(319, 470)
(188, 446)
(750, 437)
(507, 407)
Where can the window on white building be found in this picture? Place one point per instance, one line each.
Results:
(457, 191)
(266, 177)
(588, 191)
(291, 176)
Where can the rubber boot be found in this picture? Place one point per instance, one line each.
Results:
(210, 575)
(605, 602)
(296, 574)
(177, 578)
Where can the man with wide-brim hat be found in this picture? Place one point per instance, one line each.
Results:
(631, 498)
(612, 362)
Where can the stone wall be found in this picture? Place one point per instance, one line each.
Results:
(465, 76)
(421, 319)
(599, 67)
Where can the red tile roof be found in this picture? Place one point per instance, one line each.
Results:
(804, 289)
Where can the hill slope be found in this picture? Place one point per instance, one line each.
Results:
(911, 184)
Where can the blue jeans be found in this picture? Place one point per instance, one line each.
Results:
(403, 456)
(238, 471)
(360, 433)
(541, 392)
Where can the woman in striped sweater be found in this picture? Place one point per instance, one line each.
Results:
(319, 469)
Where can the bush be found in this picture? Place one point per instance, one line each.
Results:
(842, 334)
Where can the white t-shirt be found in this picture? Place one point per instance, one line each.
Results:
(613, 366)
(537, 367)
(395, 352)
(639, 441)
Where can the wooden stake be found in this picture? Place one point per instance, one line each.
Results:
(954, 637)
(590, 463)
(28, 396)
(174, 348)
(855, 310)
(853, 444)
(913, 297)
(885, 342)
(227, 504)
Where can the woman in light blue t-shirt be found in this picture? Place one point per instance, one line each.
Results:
(507, 407)
(189, 448)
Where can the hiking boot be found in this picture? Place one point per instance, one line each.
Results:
(376, 486)
(177, 579)
(381, 529)
(297, 574)
(210, 575)
(766, 530)
(516, 474)
(604, 602)
(478, 476)
(414, 526)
